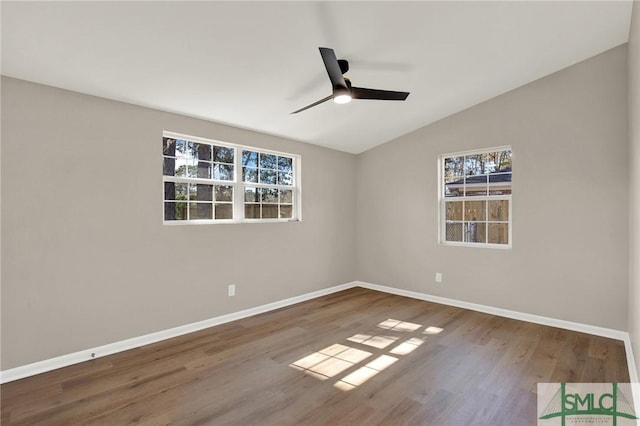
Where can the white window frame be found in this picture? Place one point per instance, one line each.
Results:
(442, 200)
(237, 184)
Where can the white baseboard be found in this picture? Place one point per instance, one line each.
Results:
(537, 319)
(633, 374)
(631, 361)
(135, 342)
(123, 345)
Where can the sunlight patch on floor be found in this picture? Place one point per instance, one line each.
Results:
(338, 358)
(379, 342)
(407, 347)
(392, 324)
(330, 361)
(364, 373)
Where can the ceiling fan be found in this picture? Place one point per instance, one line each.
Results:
(343, 91)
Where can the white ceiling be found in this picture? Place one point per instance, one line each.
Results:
(249, 64)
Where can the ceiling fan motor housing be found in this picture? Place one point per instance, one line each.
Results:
(344, 65)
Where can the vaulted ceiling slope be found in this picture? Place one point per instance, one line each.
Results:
(249, 64)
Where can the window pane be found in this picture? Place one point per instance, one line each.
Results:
(224, 211)
(285, 178)
(175, 211)
(269, 195)
(203, 170)
(481, 232)
(191, 166)
(222, 171)
(475, 232)
(200, 192)
(454, 166)
(286, 196)
(181, 191)
(223, 154)
(475, 186)
(268, 176)
(252, 211)
(499, 210)
(474, 165)
(285, 164)
(200, 211)
(192, 171)
(268, 161)
(503, 161)
(175, 167)
(169, 166)
(251, 195)
(454, 187)
(453, 232)
(498, 233)
(286, 212)
(199, 151)
(169, 211)
(249, 174)
(475, 210)
(169, 147)
(250, 158)
(500, 184)
(454, 210)
(181, 148)
(269, 211)
(224, 193)
(488, 160)
(496, 162)
(169, 191)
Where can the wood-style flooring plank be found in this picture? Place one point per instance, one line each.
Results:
(356, 357)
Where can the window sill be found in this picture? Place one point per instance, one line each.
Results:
(477, 245)
(226, 222)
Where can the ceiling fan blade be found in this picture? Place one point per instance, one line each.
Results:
(384, 95)
(333, 67)
(313, 104)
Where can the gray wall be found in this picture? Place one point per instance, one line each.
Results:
(570, 210)
(86, 259)
(634, 182)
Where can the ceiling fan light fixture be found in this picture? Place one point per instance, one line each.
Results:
(342, 94)
(342, 98)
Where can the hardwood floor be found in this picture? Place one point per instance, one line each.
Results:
(350, 358)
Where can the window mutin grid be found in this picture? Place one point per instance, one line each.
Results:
(475, 198)
(205, 181)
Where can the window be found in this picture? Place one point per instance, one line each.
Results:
(268, 185)
(475, 198)
(207, 181)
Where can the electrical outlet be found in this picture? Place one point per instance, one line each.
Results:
(232, 289)
(438, 277)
